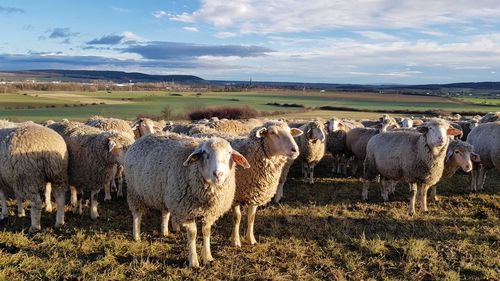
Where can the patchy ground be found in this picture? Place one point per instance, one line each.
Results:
(321, 231)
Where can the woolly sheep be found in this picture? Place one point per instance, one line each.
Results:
(415, 157)
(311, 150)
(31, 156)
(490, 117)
(187, 177)
(486, 141)
(357, 139)
(336, 142)
(93, 153)
(459, 155)
(267, 149)
(467, 126)
(122, 126)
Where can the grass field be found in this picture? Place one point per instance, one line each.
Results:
(39, 106)
(318, 232)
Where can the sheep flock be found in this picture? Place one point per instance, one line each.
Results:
(200, 171)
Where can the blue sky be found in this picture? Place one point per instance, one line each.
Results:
(334, 41)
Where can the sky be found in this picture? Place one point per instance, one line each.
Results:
(330, 41)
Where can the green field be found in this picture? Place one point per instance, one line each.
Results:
(319, 232)
(38, 106)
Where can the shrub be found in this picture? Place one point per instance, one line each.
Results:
(228, 112)
(167, 112)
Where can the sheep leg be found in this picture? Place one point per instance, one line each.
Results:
(191, 235)
(473, 179)
(384, 189)
(120, 182)
(343, 161)
(311, 173)
(482, 177)
(175, 226)
(393, 186)
(136, 224)
(434, 197)
(107, 189)
(423, 197)
(364, 193)
(354, 167)
(60, 202)
(250, 238)
(93, 204)
(413, 197)
(279, 193)
(165, 217)
(36, 211)
(206, 253)
(304, 172)
(235, 238)
(73, 197)
(20, 208)
(335, 168)
(48, 201)
(3, 201)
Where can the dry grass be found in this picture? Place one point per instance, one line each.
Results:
(319, 232)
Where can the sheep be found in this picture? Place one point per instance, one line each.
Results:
(467, 126)
(31, 156)
(459, 155)
(357, 139)
(143, 127)
(490, 117)
(93, 153)
(187, 177)
(336, 142)
(312, 145)
(267, 149)
(416, 157)
(406, 123)
(112, 124)
(486, 141)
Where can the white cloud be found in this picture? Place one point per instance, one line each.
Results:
(130, 37)
(190, 28)
(225, 34)
(266, 17)
(160, 14)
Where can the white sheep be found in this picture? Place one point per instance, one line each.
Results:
(93, 153)
(486, 141)
(187, 177)
(31, 156)
(415, 157)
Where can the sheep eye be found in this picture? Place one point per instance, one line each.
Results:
(457, 152)
(207, 156)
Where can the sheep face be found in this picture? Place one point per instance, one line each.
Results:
(334, 125)
(278, 140)
(216, 159)
(316, 133)
(407, 123)
(436, 132)
(143, 127)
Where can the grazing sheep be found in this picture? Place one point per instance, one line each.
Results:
(486, 141)
(267, 149)
(109, 125)
(187, 177)
(93, 154)
(415, 157)
(311, 151)
(31, 156)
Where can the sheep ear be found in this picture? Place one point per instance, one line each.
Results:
(295, 132)
(193, 157)
(136, 124)
(422, 129)
(261, 132)
(449, 154)
(239, 159)
(111, 145)
(309, 134)
(475, 157)
(453, 132)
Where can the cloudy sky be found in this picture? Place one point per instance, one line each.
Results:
(335, 41)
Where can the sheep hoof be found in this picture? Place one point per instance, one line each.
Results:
(137, 238)
(107, 198)
(58, 225)
(194, 264)
(207, 260)
(34, 229)
(119, 194)
(236, 243)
